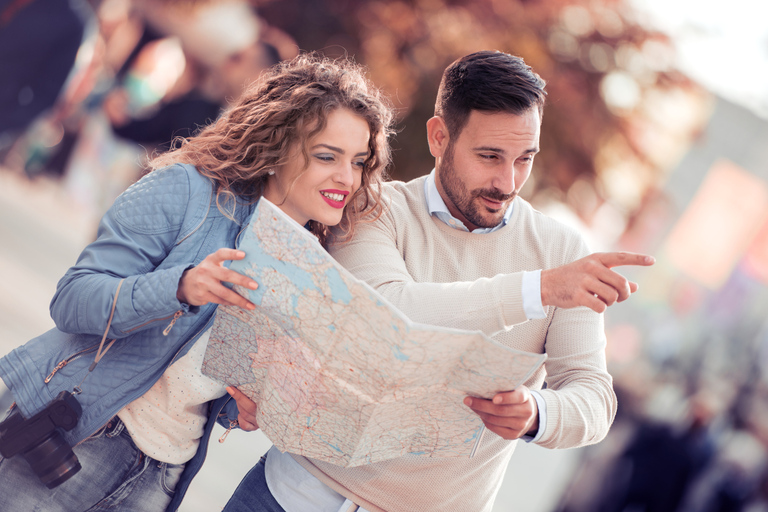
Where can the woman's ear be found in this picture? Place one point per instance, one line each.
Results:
(437, 136)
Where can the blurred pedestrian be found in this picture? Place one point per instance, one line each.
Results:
(39, 40)
(189, 105)
(222, 52)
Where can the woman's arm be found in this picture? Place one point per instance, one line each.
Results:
(134, 238)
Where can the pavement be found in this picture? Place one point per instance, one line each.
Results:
(42, 231)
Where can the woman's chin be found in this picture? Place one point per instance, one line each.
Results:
(328, 220)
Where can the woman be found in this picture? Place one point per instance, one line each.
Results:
(311, 136)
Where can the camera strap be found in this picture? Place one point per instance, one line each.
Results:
(100, 353)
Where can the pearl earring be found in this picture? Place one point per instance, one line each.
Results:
(271, 173)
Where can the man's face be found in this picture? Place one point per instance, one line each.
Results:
(480, 172)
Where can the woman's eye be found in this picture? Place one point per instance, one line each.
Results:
(360, 164)
(325, 157)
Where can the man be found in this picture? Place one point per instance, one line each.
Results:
(459, 248)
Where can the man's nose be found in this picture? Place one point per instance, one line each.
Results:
(504, 180)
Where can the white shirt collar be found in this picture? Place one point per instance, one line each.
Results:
(437, 207)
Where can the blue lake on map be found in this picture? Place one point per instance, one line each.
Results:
(300, 278)
(339, 291)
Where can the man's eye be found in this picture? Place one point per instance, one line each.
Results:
(488, 157)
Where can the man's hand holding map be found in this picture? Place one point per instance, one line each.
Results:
(338, 373)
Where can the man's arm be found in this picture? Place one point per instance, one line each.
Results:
(373, 256)
(579, 400)
(580, 403)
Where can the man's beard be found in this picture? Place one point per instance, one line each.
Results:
(467, 202)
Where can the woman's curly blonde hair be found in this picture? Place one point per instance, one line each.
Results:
(288, 105)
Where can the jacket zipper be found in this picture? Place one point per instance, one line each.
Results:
(244, 223)
(65, 362)
(173, 318)
(232, 424)
(176, 316)
(207, 211)
(239, 234)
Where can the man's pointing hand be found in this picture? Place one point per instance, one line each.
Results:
(590, 281)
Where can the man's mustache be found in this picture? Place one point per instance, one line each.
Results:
(494, 195)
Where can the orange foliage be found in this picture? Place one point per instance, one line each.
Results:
(572, 44)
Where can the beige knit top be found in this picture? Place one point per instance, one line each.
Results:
(442, 276)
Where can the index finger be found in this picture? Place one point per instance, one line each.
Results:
(617, 259)
(230, 276)
(225, 253)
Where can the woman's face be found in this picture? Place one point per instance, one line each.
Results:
(336, 158)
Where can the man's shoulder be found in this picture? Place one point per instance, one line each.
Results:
(406, 189)
(559, 241)
(404, 198)
(403, 207)
(540, 220)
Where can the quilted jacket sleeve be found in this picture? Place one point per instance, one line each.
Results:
(134, 238)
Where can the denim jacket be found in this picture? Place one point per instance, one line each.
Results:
(165, 223)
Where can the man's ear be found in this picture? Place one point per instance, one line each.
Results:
(437, 136)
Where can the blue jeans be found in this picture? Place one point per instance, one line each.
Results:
(253, 495)
(115, 475)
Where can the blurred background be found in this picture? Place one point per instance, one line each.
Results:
(655, 139)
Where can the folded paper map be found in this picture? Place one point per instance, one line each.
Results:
(338, 373)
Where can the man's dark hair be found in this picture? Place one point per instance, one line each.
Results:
(487, 81)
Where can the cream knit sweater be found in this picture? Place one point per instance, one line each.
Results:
(442, 276)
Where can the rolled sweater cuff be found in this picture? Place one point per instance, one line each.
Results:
(511, 295)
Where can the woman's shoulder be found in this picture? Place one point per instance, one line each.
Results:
(163, 197)
(171, 180)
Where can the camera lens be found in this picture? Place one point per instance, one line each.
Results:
(53, 461)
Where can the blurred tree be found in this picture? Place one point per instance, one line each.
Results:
(602, 68)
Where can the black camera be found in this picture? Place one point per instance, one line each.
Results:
(40, 442)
